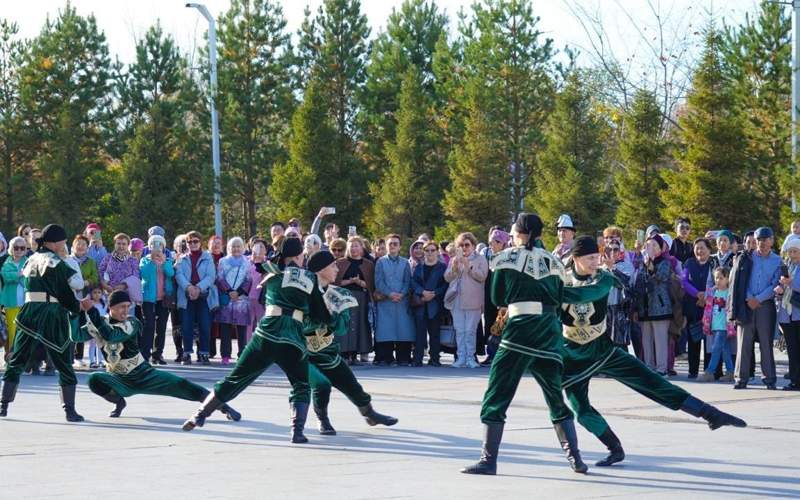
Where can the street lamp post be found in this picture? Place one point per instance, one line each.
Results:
(212, 55)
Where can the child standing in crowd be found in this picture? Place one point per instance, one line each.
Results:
(716, 324)
(95, 352)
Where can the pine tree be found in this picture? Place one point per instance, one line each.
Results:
(303, 183)
(710, 185)
(758, 61)
(504, 51)
(160, 180)
(15, 145)
(334, 52)
(255, 103)
(409, 40)
(478, 194)
(638, 184)
(66, 97)
(572, 175)
(407, 198)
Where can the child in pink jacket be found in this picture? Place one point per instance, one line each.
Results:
(716, 324)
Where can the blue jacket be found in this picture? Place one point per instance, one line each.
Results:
(435, 282)
(208, 276)
(148, 273)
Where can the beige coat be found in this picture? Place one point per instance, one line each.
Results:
(469, 282)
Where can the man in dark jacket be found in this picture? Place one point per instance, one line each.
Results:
(755, 275)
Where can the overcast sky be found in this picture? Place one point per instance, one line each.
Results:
(125, 20)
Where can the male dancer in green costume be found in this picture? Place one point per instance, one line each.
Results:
(529, 281)
(292, 294)
(588, 350)
(128, 372)
(45, 317)
(326, 367)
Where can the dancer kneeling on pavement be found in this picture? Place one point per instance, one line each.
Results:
(128, 372)
(292, 294)
(530, 281)
(589, 350)
(326, 366)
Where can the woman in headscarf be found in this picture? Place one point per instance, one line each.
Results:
(357, 274)
(233, 282)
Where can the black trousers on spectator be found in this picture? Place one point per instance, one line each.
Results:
(791, 332)
(177, 336)
(427, 328)
(155, 328)
(226, 344)
(393, 351)
(695, 348)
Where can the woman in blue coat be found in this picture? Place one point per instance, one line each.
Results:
(428, 287)
(394, 330)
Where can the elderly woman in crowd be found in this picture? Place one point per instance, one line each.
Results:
(620, 301)
(180, 250)
(694, 279)
(12, 291)
(428, 288)
(498, 241)
(466, 274)
(789, 310)
(415, 255)
(88, 267)
(158, 272)
(357, 274)
(197, 296)
(216, 247)
(655, 307)
(311, 245)
(233, 282)
(258, 256)
(119, 270)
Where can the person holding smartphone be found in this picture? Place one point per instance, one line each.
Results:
(97, 252)
(157, 271)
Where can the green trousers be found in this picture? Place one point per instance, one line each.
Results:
(327, 369)
(25, 346)
(614, 363)
(146, 380)
(259, 355)
(527, 346)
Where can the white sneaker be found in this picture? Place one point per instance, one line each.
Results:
(471, 363)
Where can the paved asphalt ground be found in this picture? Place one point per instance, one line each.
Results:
(145, 454)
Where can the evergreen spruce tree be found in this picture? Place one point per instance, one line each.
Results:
(15, 144)
(407, 198)
(710, 184)
(159, 179)
(758, 60)
(503, 52)
(65, 89)
(410, 38)
(255, 104)
(572, 175)
(334, 50)
(304, 182)
(478, 193)
(638, 184)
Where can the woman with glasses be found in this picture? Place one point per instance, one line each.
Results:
(12, 290)
(394, 326)
(197, 296)
(91, 279)
(466, 274)
(428, 288)
(357, 275)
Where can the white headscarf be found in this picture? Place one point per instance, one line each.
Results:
(4, 251)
